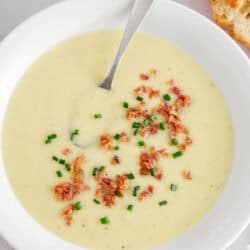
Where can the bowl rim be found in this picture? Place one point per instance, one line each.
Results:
(7, 41)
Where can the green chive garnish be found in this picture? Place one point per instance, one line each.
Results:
(163, 203)
(59, 173)
(117, 136)
(174, 141)
(177, 154)
(136, 190)
(152, 171)
(96, 201)
(131, 176)
(146, 123)
(141, 143)
(54, 158)
(173, 187)
(116, 148)
(130, 207)
(61, 161)
(162, 126)
(125, 105)
(78, 205)
(74, 133)
(118, 194)
(136, 132)
(50, 138)
(136, 125)
(95, 171)
(67, 167)
(153, 118)
(98, 116)
(167, 97)
(104, 220)
(101, 169)
(139, 98)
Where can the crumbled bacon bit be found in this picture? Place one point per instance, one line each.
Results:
(151, 130)
(147, 90)
(66, 152)
(124, 137)
(107, 141)
(137, 112)
(183, 100)
(76, 168)
(68, 214)
(170, 82)
(122, 183)
(154, 93)
(144, 77)
(108, 188)
(188, 175)
(146, 193)
(159, 177)
(115, 160)
(175, 90)
(66, 191)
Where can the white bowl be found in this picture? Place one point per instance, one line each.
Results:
(222, 58)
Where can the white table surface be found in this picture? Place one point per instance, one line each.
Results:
(13, 12)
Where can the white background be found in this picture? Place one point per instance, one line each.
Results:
(13, 12)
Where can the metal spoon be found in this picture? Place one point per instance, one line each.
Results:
(139, 11)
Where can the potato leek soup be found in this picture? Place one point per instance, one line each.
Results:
(157, 147)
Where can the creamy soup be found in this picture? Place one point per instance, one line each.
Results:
(158, 146)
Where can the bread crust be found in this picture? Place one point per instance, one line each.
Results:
(229, 24)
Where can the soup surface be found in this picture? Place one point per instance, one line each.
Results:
(159, 144)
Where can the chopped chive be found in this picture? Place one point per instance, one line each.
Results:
(153, 117)
(47, 141)
(104, 220)
(67, 167)
(136, 125)
(136, 190)
(118, 194)
(163, 203)
(55, 158)
(131, 176)
(173, 187)
(74, 133)
(167, 97)
(52, 136)
(174, 141)
(61, 161)
(59, 173)
(78, 205)
(125, 105)
(139, 98)
(96, 201)
(130, 207)
(136, 132)
(141, 143)
(177, 154)
(146, 123)
(152, 171)
(117, 136)
(95, 171)
(101, 169)
(116, 148)
(98, 116)
(162, 126)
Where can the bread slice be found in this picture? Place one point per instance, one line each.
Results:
(234, 17)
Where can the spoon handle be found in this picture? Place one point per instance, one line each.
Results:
(139, 11)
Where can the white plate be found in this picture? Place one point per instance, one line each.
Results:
(224, 60)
